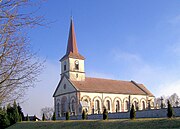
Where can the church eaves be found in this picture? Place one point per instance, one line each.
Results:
(72, 49)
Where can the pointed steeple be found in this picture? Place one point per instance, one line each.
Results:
(72, 49)
(72, 45)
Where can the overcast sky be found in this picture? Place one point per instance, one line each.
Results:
(121, 39)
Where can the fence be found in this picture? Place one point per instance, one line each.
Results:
(153, 113)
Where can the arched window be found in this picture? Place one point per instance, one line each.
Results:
(126, 105)
(73, 103)
(97, 106)
(77, 65)
(85, 103)
(58, 109)
(108, 105)
(143, 105)
(136, 105)
(63, 106)
(117, 106)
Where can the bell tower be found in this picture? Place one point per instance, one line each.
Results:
(72, 63)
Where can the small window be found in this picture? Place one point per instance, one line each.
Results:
(64, 86)
(65, 66)
(77, 65)
(76, 75)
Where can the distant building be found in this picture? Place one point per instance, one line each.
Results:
(32, 118)
(76, 92)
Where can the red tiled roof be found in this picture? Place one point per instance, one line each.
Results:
(72, 49)
(111, 86)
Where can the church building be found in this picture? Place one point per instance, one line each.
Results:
(76, 92)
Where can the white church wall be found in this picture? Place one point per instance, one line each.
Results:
(65, 104)
(72, 64)
(103, 97)
(71, 72)
(65, 62)
(64, 87)
(76, 76)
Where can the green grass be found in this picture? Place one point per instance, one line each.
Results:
(159, 123)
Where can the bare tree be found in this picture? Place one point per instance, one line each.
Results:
(19, 66)
(48, 112)
(174, 100)
(161, 102)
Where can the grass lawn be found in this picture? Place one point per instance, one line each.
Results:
(159, 123)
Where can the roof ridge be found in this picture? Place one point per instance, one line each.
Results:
(138, 86)
(108, 79)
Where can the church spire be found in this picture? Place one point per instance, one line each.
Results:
(72, 45)
(72, 49)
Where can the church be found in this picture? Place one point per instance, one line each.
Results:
(76, 92)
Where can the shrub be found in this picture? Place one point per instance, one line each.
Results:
(27, 118)
(54, 116)
(83, 115)
(21, 114)
(170, 111)
(12, 113)
(4, 121)
(132, 112)
(67, 116)
(105, 114)
(43, 117)
(34, 118)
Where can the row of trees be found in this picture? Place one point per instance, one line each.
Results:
(10, 115)
(170, 112)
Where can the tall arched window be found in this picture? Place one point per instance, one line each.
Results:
(143, 105)
(136, 105)
(63, 106)
(73, 103)
(108, 105)
(97, 107)
(58, 109)
(126, 105)
(117, 106)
